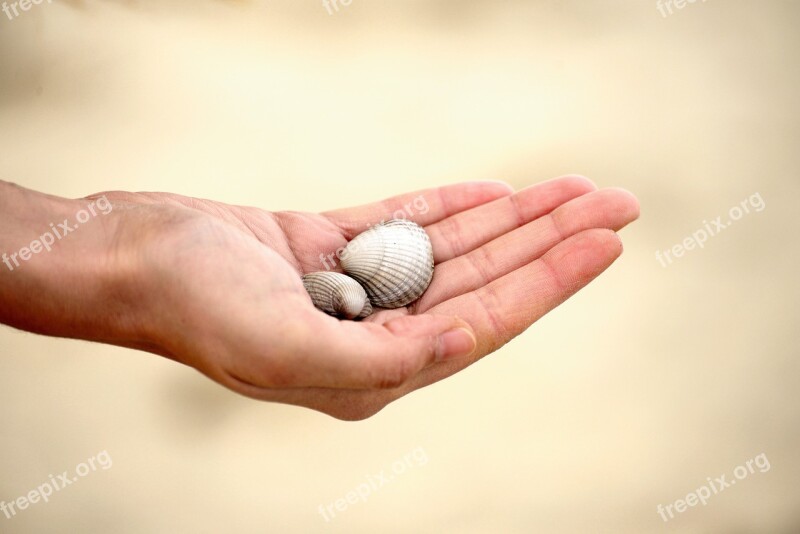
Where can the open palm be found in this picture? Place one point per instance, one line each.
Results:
(228, 279)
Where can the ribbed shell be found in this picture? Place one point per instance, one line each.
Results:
(337, 294)
(393, 261)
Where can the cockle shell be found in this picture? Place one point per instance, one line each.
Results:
(392, 260)
(337, 294)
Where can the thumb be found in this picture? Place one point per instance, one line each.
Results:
(352, 355)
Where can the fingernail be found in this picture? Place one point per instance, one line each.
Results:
(456, 343)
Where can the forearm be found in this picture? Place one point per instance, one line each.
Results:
(60, 274)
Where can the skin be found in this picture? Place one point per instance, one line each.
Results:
(217, 287)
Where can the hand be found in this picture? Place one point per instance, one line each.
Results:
(218, 287)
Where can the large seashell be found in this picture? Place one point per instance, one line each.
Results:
(393, 261)
(337, 294)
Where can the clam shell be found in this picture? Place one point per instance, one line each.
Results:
(337, 294)
(393, 261)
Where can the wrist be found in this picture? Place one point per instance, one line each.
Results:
(63, 271)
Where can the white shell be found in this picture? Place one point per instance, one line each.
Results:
(337, 294)
(393, 261)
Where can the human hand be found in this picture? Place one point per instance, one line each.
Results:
(218, 287)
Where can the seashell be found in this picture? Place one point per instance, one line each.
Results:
(393, 261)
(337, 294)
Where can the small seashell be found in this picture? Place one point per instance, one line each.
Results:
(393, 261)
(337, 294)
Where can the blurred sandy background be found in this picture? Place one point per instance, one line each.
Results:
(628, 396)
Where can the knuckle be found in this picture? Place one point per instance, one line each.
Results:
(451, 232)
